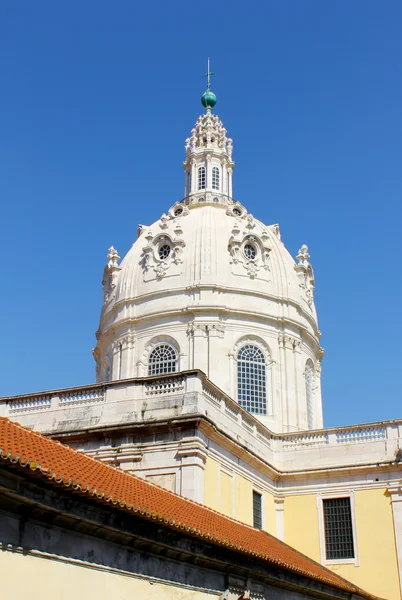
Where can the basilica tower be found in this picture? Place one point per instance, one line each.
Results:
(210, 287)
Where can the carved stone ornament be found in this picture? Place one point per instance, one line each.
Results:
(110, 274)
(178, 210)
(238, 243)
(305, 273)
(212, 329)
(152, 258)
(209, 132)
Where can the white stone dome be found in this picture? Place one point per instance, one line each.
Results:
(205, 281)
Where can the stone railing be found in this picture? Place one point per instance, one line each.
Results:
(305, 440)
(337, 435)
(167, 385)
(87, 396)
(59, 399)
(361, 434)
(208, 197)
(211, 401)
(247, 422)
(29, 403)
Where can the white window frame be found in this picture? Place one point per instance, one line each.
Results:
(176, 362)
(216, 178)
(267, 387)
(321, 528)
(201, 178)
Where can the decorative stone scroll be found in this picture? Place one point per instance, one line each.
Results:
(110, 273)
(305, 273)
(249, 248)
(153, 258)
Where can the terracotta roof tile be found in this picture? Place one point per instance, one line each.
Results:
(70, 468)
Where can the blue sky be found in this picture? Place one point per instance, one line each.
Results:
(96, 101)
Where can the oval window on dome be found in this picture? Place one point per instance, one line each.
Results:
(164, 251)
(178, 211)
(250, 251)
(237, 212)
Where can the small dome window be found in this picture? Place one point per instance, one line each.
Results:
(216, 200)
(237, 212)
(164, 251)
(202, 178)
(250, 251)
(163, 359)
(178, 211)
(215, 178)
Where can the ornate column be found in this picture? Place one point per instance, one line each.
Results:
(116, 361)
(299, 387)
(280, 518)
(192, 454)
(318, 418)
(283, 382)
(287, 345)
(198, 332)
(127, 369)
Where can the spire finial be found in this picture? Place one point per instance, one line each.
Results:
(209, 75)
(208, 98)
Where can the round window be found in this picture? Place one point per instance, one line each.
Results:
(237, 212)
(164, 251)
(178, 211)
(250, 251)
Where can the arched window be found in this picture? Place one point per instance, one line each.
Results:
(162, 360)
(215, 178)
(202, 178)
(309, 374)
(252, 379)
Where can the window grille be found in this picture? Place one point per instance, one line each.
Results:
(202, 178)
(309, 395)
(164, 252)
(215, 178)
(251, 380)
(162, 360)
(250, 251)
(257, 510)
(338, 528)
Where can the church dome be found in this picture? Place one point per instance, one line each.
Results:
(210, 287)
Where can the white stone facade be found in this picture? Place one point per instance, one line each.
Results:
(207, 279)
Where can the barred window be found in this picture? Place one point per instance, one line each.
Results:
(308, 373)
(162, 360)
(338, 528)
(257, 510)
(202, 178)
(215, 178)
(251, 380)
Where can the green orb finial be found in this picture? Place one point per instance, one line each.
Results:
(208, 99)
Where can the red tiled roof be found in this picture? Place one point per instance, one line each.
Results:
(64, 466)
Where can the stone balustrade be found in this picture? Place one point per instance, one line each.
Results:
(150, 398)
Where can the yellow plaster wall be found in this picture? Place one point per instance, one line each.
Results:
(270, 519)
(218, 494)
(301, 524)
(211, 484)
(226, 494)
(36, 578)
(244, 500)
(378, 569)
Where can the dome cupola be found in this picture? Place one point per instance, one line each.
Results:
(210, 287)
